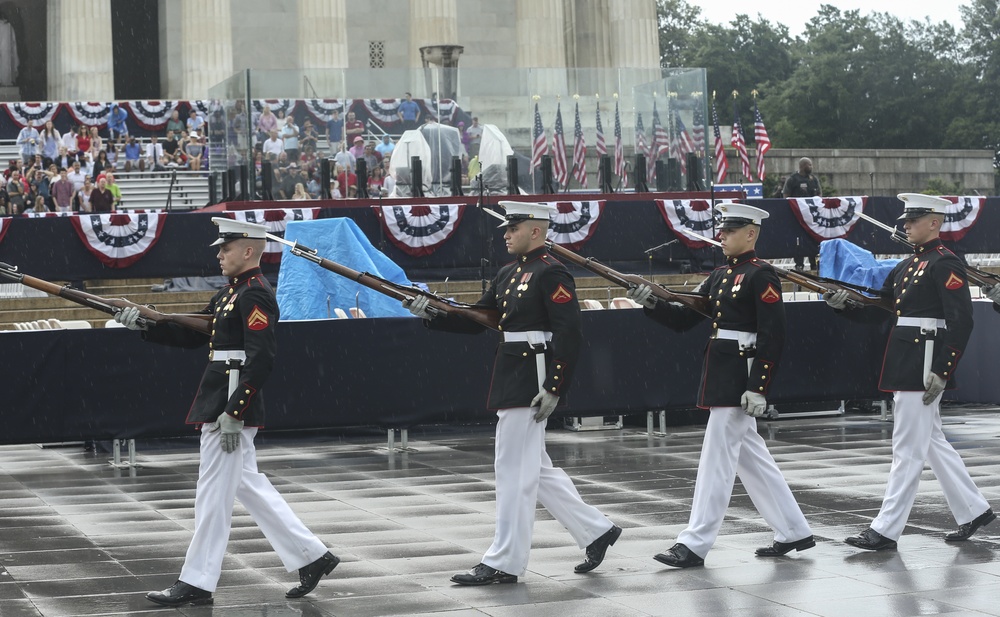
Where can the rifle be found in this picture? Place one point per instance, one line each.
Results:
(147, 315)
(855, 297)
(487, 317)
(694, 301)
(980, 277)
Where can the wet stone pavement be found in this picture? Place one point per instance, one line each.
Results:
(78, 537)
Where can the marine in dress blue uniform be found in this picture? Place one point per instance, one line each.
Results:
(229, 410)
(741, 358)
(933, 322)
(540, 322)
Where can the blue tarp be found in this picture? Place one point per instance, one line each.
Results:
(306, 291)
(844, 261)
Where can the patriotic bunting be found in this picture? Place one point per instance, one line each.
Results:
(420, 230)
(119, 240)
(827, 218)
(90, 114)
(4, 227)
(695, 215)
(574, 222)
(152, 115)
(322, 109)
(961, 216)
(275, 220)
(38, 113)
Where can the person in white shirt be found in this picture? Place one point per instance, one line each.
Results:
(154, 154)
(77, 176)
(273, 145)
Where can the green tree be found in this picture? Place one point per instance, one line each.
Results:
(676, 20)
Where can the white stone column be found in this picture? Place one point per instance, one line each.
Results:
(206, 46)
(541, 44)
(590, 48)
(432, 22)
(323, 46)
(80, 65)
(634, 40)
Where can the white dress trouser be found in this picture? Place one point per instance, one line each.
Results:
(524, 476)
(225, 476)
(917, 437)
(732, 446)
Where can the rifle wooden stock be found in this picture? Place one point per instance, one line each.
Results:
(693, 301)
(489, 318)
(855, 298)
(193, 321)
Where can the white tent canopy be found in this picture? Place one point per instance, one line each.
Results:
(410, 144)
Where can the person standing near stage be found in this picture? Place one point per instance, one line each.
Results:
(229, 410)
(933, 308)
(540, 321)
(748, 333)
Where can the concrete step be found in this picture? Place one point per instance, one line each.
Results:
(145, 297)
(80, 312)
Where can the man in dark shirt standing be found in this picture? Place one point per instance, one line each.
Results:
(803, 184)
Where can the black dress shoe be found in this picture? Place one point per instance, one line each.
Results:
(777, 549)
(966, 530)
(310, 575)
(482, 574)
(179, 594)
(871, 540)
(679, 556)
(597, 549)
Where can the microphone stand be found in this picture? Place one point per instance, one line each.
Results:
(484, 232)
(649, 253)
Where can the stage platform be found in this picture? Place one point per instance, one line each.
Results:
(79, 537)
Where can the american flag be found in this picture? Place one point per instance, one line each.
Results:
(721, 164)
(579, 151)
(684, 141)
(761, 139)
(540, 146)
(601, 148)
(559, 151)
(741, 145)
(661, 138)
(619, 149)
(640, 136)
(698, 128)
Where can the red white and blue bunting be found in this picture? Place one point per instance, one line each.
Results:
(961, 216)
(275, 220)
(574, 222)
(38, 113)
(694, 215)
(119, 240)
(383, 110)
(90, 114)
(826, 218)
(322, 109)
(151, 114)
(204, 107)
(276, 105)
(4, 227)
(420, 230)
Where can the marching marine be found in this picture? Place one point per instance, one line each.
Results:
(742, 355)
(540, 322)
(933, 324)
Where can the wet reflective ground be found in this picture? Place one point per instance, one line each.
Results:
(78, 537)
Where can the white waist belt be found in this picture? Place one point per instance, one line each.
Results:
(226, 355)
(745, 339)
(533, 337)
(924, 323)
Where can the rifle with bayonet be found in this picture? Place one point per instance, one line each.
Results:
(980, 277)
(856, 294)
(693, 301)
(147, 314)
(487, 317)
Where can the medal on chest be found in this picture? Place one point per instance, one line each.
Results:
(523, 285)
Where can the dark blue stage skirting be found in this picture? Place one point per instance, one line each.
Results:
(392, 372)
(49, 248)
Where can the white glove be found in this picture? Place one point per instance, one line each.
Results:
(129, 317)
(643, 294)
(230, 429)
(754, 404)
(418, 306)
(935, 386)
(836, 299)
(546, 403)
(993, 293)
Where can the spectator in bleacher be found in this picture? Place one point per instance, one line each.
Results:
(68, 142)
(335, 189)
(62, 192)
(50, 140)
(193, 148)
(101, 199)
(348, 182)
(388, 183)
(40, 187)
(344, 158)
(27, 143)
(64, 158)
(175, 124)
(358, 148)
(308, 136)
(375, 181)
(194, 121)
(83, 143)
(258, 162)
(114, 188)
(352, 128)
(112, 150)
(289, 178)
(266, 123)
(335, 132)
(16, 192)
(133, 154)
(313, 187)
(372, 158)
(290, 139)
(475, 133)
(300, 193)
(308, 158)
(100, 165)
(409, 113)
(170, 144)
(385, 147)
(82, 197)
(154, 155)
(96, 143)
(39, 205)
(77, 176)
(4, 203)
(177, 161)
(273, 145)
(116, 123)
(12, 164)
